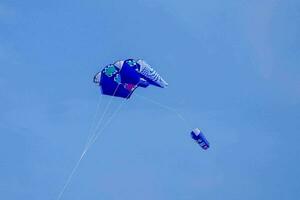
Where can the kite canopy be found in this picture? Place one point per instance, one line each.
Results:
(123, 77)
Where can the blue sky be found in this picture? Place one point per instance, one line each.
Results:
(233, 71)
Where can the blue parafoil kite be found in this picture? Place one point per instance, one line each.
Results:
(123, 77)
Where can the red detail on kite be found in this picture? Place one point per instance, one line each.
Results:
(129, 87)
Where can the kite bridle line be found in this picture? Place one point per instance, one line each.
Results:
(94, 133)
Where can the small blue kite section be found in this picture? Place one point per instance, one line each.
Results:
(116, 83)
(199, 137)
(129, 74)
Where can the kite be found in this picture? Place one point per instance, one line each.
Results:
(123, 77)
(199, 137)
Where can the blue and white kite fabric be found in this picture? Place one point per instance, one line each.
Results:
(123, 77)
(149, 74)
(199, 137)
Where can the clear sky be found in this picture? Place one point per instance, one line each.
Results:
(233, 71)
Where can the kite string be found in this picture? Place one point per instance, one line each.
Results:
(82, 154)
(90, 132)
(107, 123)
(173, 110)
(87, 146)
(101, 119)
(100, 130)
(70, 176)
